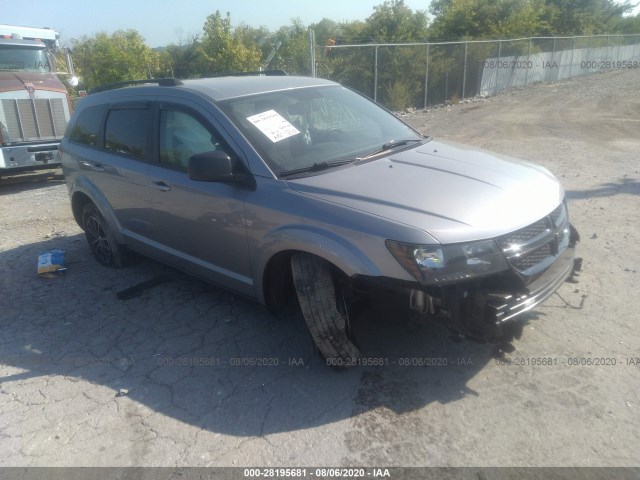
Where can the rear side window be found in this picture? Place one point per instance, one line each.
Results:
(128, 132)
(86, 129)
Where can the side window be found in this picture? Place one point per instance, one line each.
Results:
(127, 132)
(182, 135)
(87, 127)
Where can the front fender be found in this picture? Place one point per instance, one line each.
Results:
(304, 238)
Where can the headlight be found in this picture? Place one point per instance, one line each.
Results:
(435, 264)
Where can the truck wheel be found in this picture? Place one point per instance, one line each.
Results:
(101, 241)
(316, 291)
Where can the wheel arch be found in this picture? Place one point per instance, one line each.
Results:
(273, 261)
(78, 202)
(84, 193)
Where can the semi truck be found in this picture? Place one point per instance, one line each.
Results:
(34, 103)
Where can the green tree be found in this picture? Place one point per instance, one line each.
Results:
(584, 17)
(394, 22)
(399, 74)
(629, 24)
(456, 19)
(293, 54)
(225, 49)
(105, 58)
(261, 36)
(186, 59)
(326, 29)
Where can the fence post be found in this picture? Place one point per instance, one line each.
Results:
(312, 52)
(426, 78)
(375, 75)
(553, 59)
(446, 87)
(498, 63)
(573, 49)
(464, 68)
(526, 72)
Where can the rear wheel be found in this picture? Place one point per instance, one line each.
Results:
(324, 309)
(101, 241)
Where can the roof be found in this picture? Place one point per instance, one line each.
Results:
(22, 43)
(222, 88)
(215, 88)
(29, 32)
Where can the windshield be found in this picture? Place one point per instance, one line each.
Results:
(305, 128)
(24, 58)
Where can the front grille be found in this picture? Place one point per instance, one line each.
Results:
(534, 247)
(533, 258)
(526, 234)
(34, 119)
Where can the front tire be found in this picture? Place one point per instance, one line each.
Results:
(316, 291)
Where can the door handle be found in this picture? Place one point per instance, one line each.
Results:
(93, 166)
(160, 185)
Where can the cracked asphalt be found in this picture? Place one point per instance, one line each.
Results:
(186, 374)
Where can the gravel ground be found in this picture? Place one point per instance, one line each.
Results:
(87, 379)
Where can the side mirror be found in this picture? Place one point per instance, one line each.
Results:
(214, 166)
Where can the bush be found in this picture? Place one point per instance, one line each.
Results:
(397, 95)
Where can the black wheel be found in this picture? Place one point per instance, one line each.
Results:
(101, 241)
(324, 311)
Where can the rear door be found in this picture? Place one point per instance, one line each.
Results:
(121, 168)
(111, 148)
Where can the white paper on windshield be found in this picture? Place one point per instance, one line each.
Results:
(273, 125)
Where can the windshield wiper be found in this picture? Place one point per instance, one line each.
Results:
(325, 165)
(316, 167)
(389, 145)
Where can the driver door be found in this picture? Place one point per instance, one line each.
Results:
(199, 226)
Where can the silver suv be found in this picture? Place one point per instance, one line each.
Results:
(281, 187)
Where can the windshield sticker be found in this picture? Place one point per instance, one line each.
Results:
(273, 125)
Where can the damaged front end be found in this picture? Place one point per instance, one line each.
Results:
(505, 277)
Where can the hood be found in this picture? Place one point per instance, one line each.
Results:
(453, 192)
(11, 81)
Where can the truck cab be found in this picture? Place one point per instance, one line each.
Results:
(34, 104)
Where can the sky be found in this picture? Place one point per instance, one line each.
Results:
(162, 22)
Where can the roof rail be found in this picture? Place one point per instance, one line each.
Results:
(266, 73)
(162, 82)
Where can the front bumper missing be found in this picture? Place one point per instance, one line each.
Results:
(489, 314)
(501, 308)
(487, 310)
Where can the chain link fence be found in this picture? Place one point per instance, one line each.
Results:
(418, 75)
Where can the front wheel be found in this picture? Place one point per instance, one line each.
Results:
(316, 291)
